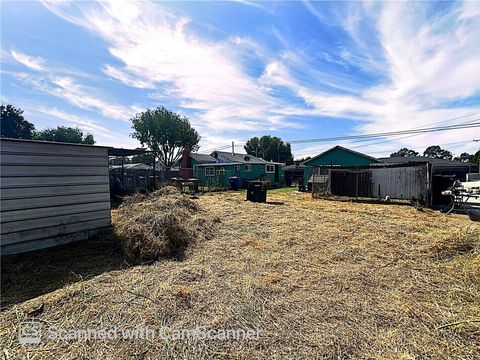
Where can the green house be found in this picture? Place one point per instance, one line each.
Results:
(336, 156)
(216, 169)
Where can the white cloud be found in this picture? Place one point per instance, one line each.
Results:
(421, 64)
(156, 47)
(33, 63)
(86, 124)
(126, 78)
(429, 62)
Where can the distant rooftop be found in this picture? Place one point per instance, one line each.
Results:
(434, 161)
(203, 158)
(225, 156)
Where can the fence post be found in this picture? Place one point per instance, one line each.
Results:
(356, 185)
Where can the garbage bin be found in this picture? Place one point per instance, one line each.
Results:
(257, 191)
(234, 182)
(194, 183)
(177, 183)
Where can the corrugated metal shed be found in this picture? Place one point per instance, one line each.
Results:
(51, 193)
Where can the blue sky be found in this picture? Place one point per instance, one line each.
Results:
(297, 70)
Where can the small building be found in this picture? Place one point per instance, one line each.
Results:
(216, 169)
(52, 193)
(336, 156)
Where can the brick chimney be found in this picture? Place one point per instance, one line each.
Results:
(185, 170)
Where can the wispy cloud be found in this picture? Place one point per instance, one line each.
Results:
(83, 123)
(33, 63)
(428, 63)
(156, 47)
(393, 66)
(67, 89)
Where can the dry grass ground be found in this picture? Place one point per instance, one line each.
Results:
(320, 279)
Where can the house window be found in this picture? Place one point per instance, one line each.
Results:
(320, 171)
(221, 171)
(248, 167)
(195, 170)
(236, 167)
(209, 171)
(270, 168)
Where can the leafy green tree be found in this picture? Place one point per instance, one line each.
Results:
(65, 134)
(166, 133)
(404, 152)
(14, 125)
(476, 157)
(437, 152)
(270, 148)
(464, 157)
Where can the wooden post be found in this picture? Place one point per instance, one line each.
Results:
(356, 185)
(123, 180)
(153, 186)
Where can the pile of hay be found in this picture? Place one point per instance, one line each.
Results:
(161, 224)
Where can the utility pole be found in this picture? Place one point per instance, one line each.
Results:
(233, 148)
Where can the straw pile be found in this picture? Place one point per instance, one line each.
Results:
(160, 225)
(320, 279)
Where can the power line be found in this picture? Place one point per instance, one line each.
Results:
(369, 137)
(393, 133)
(403, 137)
(417, 148)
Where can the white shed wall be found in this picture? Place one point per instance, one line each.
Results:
(51, 194)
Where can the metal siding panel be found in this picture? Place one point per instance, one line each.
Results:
(24, 225)
(48, 242)
(54, 159)
(51, 194)
(52, 231)
(34, 192)
(12, 146)
(33, 171)
(45, 213)
(42, 202)
(40, 181)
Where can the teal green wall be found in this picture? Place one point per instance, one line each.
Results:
(223, 180)
(336, 157)
(193, 162)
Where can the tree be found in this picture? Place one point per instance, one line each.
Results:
(404, 152)
(476, 157)
(14, 125)
(166, 133)
(270, 148)
(65, 134)
(464, 157)
(437, 152)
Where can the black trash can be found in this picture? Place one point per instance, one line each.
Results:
(195, 182)
(257, 191)
(177, 183)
